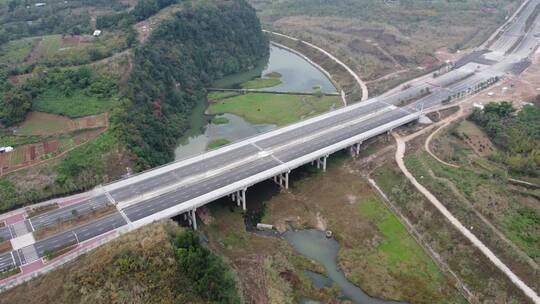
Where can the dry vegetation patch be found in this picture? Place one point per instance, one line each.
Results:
(41, 209)
(387, 43)
(478, 193)
(139, 267)
(267, 268)
(377, 253)
(478, 274)
(5, 246)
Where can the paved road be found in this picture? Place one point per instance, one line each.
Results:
(514, 32)
(179, 184)
(80, 234)
(4, 233)
(69, 212)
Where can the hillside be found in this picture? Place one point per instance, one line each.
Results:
(387, 41)
(141, 267)
(141, 77)
(200, 45)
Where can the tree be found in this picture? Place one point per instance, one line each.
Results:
(501, 109)
(12, 5)
(3, 36)
(212, 280)
(14, 106)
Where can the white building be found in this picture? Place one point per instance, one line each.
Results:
(5, 149)
(96, 33)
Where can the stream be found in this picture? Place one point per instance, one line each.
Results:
(315, 245)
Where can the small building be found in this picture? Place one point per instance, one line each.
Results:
(5, 149)
(96, 33)
(40, 4)
(261, 226)
(478, 106)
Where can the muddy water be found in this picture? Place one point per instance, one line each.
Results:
(315, 245)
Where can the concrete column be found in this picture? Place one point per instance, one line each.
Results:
(355, 149)
(321, 163)
(194, 218)
(244, 199)
(282, 180)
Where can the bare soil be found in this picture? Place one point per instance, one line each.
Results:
(5, 246)
(145, 27)
(52, 147)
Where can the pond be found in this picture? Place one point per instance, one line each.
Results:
(315, 245)
(297, 75)
(235, 129)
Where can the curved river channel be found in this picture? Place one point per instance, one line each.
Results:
(315, 245)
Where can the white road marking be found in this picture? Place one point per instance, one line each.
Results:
(76, 238)
(9, 229)
(31, 226)
(13, 258)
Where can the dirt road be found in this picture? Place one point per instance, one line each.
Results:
(400, 152)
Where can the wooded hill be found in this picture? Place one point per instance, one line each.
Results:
(204, 42)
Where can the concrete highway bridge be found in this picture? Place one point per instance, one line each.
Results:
(183, 186)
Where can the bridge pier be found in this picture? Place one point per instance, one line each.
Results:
(355, 149)
(282, 180)
(192, 218)
(321, 163)
(240, 198)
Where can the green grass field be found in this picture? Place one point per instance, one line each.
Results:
(216, 96)
(18, 141)
(220, 121)
(74, 53)
(274, 108)
(17, 156)
(16, 51)
(43, 123)
(75, 106)
(51, 44)
(261, 83)
(397, 245)
(216, 143)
